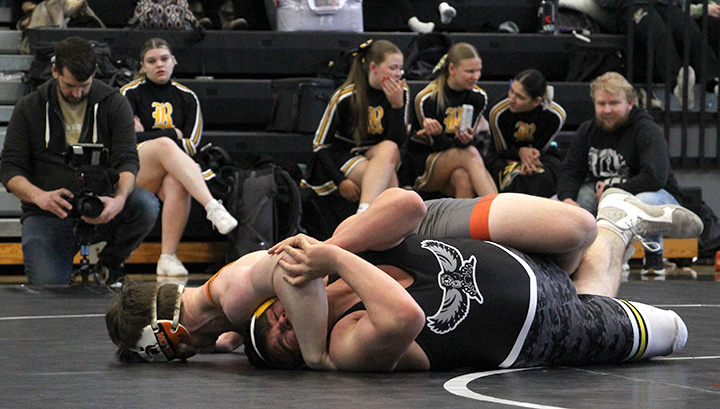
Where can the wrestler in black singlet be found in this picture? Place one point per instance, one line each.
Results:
(501, 308)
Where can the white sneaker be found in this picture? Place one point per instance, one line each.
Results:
(447, 12)
(632, 219)
(420, 27)
(170, 266)
(220, 217)
(678, 91)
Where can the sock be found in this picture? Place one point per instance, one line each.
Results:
(420, 27)
(447, 12)
(610, 226)
(362, 207)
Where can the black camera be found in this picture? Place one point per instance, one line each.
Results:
(90, 162)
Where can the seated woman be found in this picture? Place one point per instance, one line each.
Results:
(524, 126)
(440, 156)
(356, 149)
(168, 124)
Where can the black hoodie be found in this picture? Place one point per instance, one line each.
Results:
(634, 157)
(35, 140)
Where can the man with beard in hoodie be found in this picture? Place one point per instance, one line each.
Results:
(621, 147)
(70, 109)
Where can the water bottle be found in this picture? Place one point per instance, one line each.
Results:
(546, 13)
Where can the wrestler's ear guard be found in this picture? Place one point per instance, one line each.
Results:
(165, 340)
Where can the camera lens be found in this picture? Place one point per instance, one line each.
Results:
(90, 206)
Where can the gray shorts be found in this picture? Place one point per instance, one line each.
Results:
(447, 218)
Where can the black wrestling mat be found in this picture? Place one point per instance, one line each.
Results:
(56, 354)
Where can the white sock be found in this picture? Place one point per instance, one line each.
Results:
(610, 226)
(447, 12)
(362, 207)
(420, 27)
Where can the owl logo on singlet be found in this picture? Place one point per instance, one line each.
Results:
(457, 279)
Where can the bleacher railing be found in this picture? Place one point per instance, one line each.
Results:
(686, 130)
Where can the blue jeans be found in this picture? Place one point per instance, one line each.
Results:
(49, 244)
(587, 200)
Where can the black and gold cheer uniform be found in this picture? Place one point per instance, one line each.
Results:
(164, 107)
(421, 151)
(511, 131)
(334, 149)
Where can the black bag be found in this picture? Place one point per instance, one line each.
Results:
(591, 60)
(261, 195)
(709, 240)
(568, 21)
(115, 73)
(423, 54)
(299, 104)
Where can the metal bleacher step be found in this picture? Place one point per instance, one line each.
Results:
(10, 92)
(15, 62)
(10, 40)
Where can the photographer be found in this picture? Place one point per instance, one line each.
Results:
(69, 109)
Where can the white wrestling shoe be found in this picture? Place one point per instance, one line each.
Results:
(666, 331)
(170, 266)
(632, 219)
(223, 221)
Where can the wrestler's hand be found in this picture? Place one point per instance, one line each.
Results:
(291, 242)
(308, 262)
(349, 190)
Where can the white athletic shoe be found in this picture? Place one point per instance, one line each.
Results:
(666, 332)
(678, 91)
(223, 221)
(170, 266)
(447, 12)
(632, 219)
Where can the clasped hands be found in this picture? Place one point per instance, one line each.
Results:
(305, 258)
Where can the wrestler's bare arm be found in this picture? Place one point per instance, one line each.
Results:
(391, 217)
(373, 340)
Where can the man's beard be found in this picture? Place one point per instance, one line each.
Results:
(72, 101)
(609, 128)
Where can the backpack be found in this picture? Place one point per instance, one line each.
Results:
(261, 195)
(423, 54)
(591, 60)
(111, 71)
(163, 15)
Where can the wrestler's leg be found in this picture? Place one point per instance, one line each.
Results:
(528, 223)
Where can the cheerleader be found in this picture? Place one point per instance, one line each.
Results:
(524, 127)
(440, 155)
(356, 149)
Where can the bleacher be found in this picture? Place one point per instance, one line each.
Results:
(250, 82)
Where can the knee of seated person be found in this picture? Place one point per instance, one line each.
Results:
(143, 205)
(460, 180)
(165, 142)
(470, 153)
(388, 150)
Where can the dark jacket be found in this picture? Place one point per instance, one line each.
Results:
(634, 158)
(35, 139)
